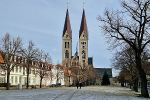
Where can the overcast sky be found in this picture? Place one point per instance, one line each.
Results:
(42, 21)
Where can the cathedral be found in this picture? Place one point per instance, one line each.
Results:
(79, 58)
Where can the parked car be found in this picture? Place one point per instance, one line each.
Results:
(53, 85)
(58, 84)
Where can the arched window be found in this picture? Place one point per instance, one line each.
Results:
(67, 54)
(65, 44)
(83, 54)
(68, 44)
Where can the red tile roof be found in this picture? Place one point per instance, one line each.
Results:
(1, 59)
(83, 26)
(67, 25)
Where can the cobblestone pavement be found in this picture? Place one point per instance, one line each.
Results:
(71, 93)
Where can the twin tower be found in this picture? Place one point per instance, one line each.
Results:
(82, 59)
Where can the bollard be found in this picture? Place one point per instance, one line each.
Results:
(19, 86)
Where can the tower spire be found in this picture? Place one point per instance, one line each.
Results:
(67, 5)
(67, 25)
(83, 5)
(77, 49)
(83, 26)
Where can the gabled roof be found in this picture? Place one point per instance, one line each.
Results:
(67, 26)
(83, 26)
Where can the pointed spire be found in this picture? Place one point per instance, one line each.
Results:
(67, 25)
(83, 26)
(77, 49)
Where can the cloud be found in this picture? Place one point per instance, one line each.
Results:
(54, 49)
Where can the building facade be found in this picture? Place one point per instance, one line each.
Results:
(18, 75)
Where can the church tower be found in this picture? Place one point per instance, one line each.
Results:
(83, 42)
(66, 40)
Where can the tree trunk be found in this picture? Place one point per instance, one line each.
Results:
(27, 77)
(8, 75)
(144, 91)
(41, 82)
(142, 74)
(122, 84)
(136, 85)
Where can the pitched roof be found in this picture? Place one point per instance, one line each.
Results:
(1, 59)
(67, 25)
(83, 26)
(102, 70)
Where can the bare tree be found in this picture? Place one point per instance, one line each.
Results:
(30, 54)
(125, 61)
(131, 23)
(9, 48)
(43, 59)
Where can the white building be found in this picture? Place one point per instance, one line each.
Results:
(57, 74)
(18, 75)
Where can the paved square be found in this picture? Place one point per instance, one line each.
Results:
(71, 93)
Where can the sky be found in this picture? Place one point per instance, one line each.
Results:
(42, 21)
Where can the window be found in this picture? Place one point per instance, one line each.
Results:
(83, 36)
(66, 44)
(1, 80)
(20, 79)
(67, 54)
(16, 69)
(83, 54)
(83, 44)
(20, 69)
(15, 79)
(23, 70)
(12, 79)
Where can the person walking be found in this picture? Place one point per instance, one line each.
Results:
(77, 84)
(80, 85)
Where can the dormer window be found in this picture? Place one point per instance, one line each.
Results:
(83, 36)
